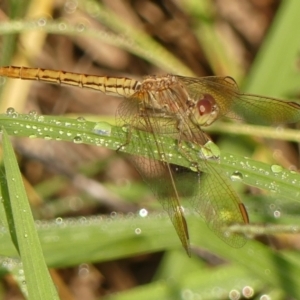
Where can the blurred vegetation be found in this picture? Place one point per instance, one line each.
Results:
(91, 204)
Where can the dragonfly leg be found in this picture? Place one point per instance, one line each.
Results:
(128, 129)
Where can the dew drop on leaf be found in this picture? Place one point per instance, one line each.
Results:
(77, 140)
(236, 176)
(276, 168)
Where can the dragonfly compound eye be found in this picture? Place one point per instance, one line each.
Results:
(206, 104)
(206, 110)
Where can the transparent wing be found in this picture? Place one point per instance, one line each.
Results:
(251, 108)
(215, 199)
(217, 202)
(262, 110)
(168, 183)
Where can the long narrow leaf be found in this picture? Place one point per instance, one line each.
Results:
(23, 230)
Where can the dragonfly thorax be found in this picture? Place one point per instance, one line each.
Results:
(164, 93)
(158, 83)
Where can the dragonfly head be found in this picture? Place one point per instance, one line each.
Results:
(206, 110)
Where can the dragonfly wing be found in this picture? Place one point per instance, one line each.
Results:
(264, 110)
(167, 182)
(219, 205)
(214, 198)
(234, 104)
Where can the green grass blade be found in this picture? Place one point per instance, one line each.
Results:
(23, 230)
(140, 47)
(200, 284)
(276, 180)
(274, 72)
(98, 239)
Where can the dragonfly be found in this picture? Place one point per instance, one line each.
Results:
(179, 107)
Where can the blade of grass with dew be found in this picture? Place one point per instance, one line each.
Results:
(201, 285)
(23, 231)
(99, 239)
(163, 59)
(277, 269)
(273, 178)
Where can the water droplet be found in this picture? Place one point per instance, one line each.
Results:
(70, 6)
(41, 22)
(162, 157)
(80, 27)
(77, 140)
(83, 220)
(277, 214)
(104, 129)
(248, 291)
(265, 297)
(80, 119)
(32, 136)
(11, 112)
(113, 214)
(194, 167)
(59, 221)
(138, 231)
(234, 295)
(273, 186)
(62, 26)
(236, 176)
(187, 294)
(33, 114)
(143, 212)
(47, 137)
(125, 128)
(21, 272)
(276, 168)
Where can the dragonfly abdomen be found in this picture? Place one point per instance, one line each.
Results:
(118, 86)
